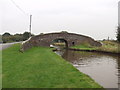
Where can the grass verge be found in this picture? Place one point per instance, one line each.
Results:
(39, 67)
(107, 46)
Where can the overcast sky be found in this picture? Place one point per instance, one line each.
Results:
(95, 18)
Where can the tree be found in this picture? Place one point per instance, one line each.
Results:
(26, 35)
(0, 38)
(18, 37)
(6, 34)
(7, 37)
(118, 34)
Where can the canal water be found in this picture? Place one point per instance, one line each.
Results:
(103, 68)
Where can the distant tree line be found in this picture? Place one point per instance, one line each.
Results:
(7, 37)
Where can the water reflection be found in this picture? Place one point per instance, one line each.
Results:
(104, 69)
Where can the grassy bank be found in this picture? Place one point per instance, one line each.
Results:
(107, 46)
(41, 68)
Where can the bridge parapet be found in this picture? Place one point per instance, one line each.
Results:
(46, 39)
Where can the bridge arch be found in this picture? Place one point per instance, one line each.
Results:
(61, 40)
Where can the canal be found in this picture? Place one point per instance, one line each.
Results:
(103, 68)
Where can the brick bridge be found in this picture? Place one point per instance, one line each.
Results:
(70, 39)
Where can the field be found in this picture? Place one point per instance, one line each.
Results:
(40, 67)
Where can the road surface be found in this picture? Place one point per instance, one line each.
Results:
(6, 45)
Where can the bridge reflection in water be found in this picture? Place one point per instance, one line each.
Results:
(104, 69)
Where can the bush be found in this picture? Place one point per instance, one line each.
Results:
(7, 37)
(118, 34)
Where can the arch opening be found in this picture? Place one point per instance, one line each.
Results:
(73, 43)
(61, 43)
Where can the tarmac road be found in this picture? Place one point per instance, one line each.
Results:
(6, 45)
